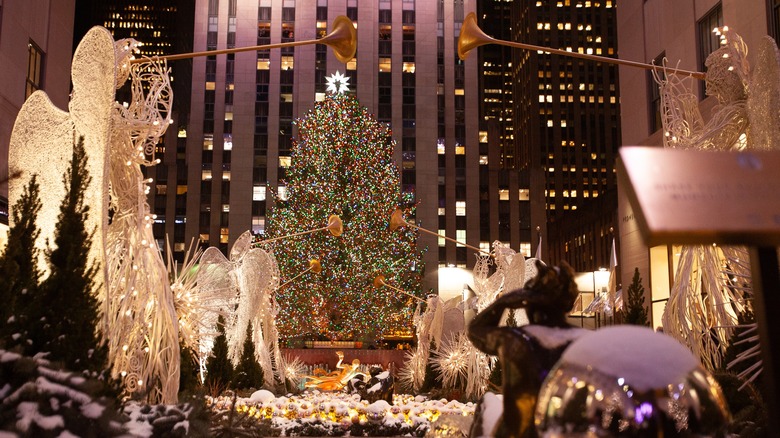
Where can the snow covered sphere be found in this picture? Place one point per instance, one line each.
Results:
(262, 396)
(629, 381)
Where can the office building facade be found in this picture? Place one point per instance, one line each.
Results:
(406, 72)
(567, 126)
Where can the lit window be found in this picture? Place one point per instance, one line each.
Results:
(229, 115)
(352, 64)
(228, 141)
(284, 161)
(181, 189)
(258, 193)
(287, 62)
(442, 211)
(385, 65)
(484, 246)
(442, 240)
(162, 189)
(460, 236)
(483, 160)
(440, 146)
(408, 67)
(182, 132)
(459, 92)
(225, 175)
(503, 195)
(205, 175)
(525, 249)
(224, 234)
(524, 195)
(208, 142)
(460, 150)
(210, 85)
(34, 68)
(483, 136)
(263, 64)
(225, 208)
(282, 191)
(204, 238)
(460, 208)
(258, 224)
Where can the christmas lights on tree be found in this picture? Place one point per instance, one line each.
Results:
(342, 164)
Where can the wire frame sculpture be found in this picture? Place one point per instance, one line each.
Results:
(248, 282)
(704, 300)
(142, 324)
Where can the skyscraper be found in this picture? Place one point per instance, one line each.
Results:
(567, 126)
(406, 72)
(504, 200)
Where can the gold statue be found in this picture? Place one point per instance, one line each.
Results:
(334, 380)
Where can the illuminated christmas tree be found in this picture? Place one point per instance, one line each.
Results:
(342, 164)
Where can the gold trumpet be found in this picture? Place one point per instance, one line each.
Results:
(342, 39)
(397, 221)
(314, 266)
(379, 281)
(335, 226)
(471, 37)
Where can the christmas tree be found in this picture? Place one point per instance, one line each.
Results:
(219, 370)
(18, 266)
(342, 164)
(249, 373)
(69, 309)
(636, 312)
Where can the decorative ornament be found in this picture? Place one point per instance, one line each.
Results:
(337, 83)
(630, 381)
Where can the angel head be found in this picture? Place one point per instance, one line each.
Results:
(550, 295)
(727, 68)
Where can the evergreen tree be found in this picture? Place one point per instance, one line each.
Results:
(19, 273)
(342, 164)
(249, 373)
(218, 367)
(69, 308)
(636, 312)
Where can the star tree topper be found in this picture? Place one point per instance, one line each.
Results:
(337, 83)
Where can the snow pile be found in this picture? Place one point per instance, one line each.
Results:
(39, 400)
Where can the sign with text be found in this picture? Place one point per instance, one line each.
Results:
(703, 197)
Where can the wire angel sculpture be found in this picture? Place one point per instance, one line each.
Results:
(251, 277)
(512, 271)
(703, 305)
(139, 319)
(430, 327)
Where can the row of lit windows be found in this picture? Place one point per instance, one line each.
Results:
(570, 99)
(569, 86)
(460, 236)
(586, 4)
(572, 193)
(574, 169)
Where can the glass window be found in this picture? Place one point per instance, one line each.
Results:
(34, 68)
(460, 208)
(442, 240)
(258, 193)
(655, 96)
(709, 41)
(460, 236)
(385, 65)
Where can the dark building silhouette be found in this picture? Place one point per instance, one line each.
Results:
(567, 126)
